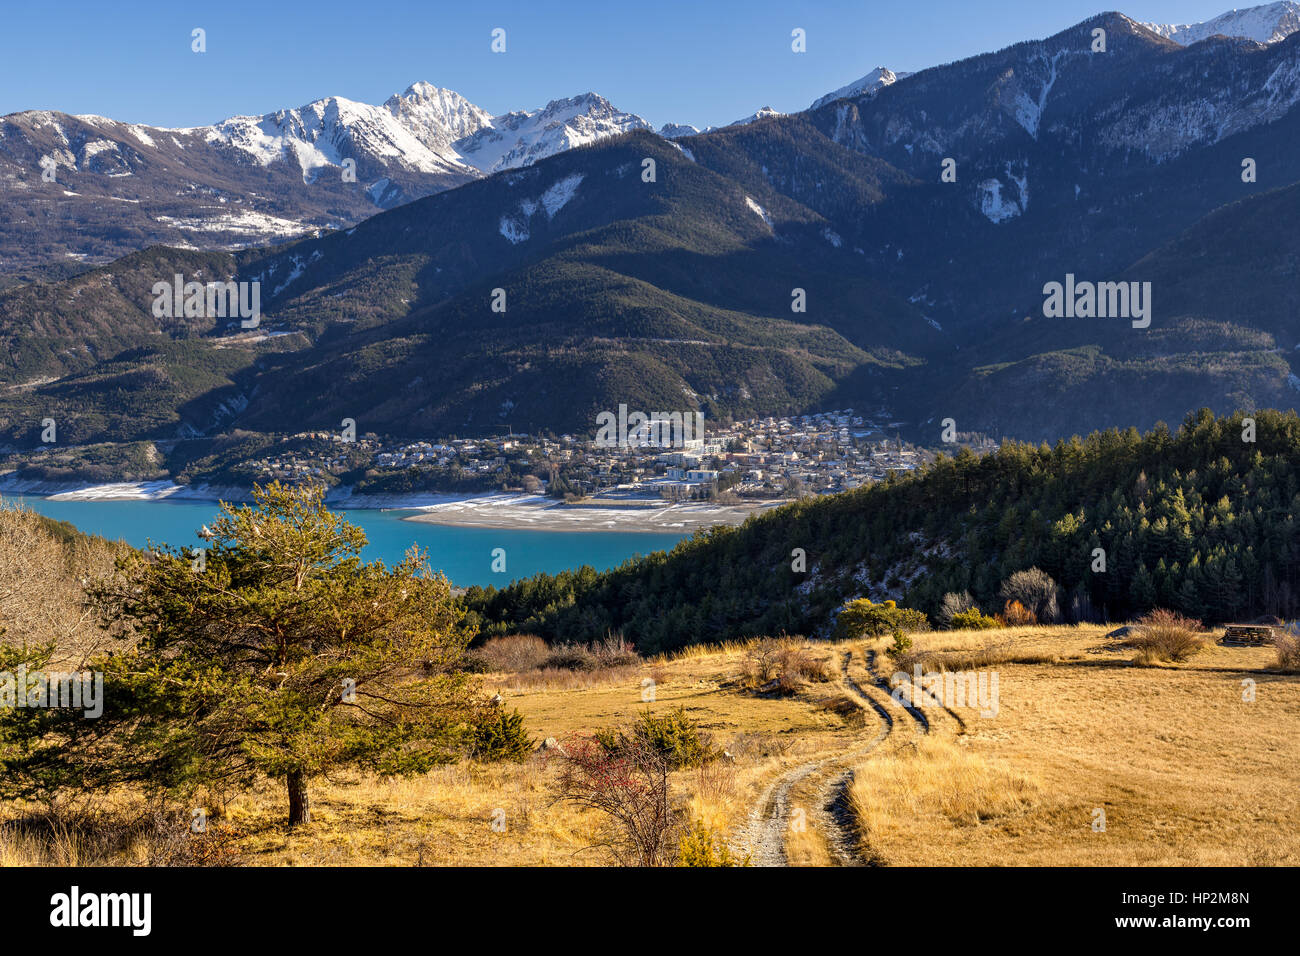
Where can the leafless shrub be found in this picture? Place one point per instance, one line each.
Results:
(514, 653)
(37, 565)
(614, 651)
(716, 780)
(1164, 636)
(1036, 591)
(169, 840)
(1287, 644)
(625, 778)
(954, 603)
(783, 665)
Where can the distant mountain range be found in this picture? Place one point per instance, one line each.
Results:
(924, 297)
(251, 179)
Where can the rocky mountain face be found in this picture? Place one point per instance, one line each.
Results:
(1074, 159)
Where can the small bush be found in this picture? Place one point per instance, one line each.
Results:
(573, 657)
(785, 661)
(514, 653)
(902, 643)
(797, 666)
(1034, 589)
(1015, 614)
(1164, 637)
(673, 736)
(761, 662)
(620, 774)
(500, 735)
(678, 738)
(700, 846)
(863, 618)
(1162, 617)
(972, 620)
(953, 604)
(1288, 651)
(614, 651)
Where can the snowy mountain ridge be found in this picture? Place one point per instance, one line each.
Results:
(425, 129)
(1268, 23)
(876, 80)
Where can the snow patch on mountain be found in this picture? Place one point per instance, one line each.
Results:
(1000, 201)
(683, 150)
(299, 266)
(247, 223)
(554, 199)
(759, 211)
(426, 129)
(515, 230)
(515, 227)
(1164, 129)
(326, 132)
(993, 204)
(1028, 111)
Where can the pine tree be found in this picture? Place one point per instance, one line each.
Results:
(285, 657)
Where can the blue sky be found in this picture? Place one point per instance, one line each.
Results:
(696, 62)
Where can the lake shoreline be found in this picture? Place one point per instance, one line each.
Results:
(499, 510)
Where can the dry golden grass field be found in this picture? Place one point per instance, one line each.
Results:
(1185, 770)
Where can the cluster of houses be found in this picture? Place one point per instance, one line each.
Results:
(773, 457)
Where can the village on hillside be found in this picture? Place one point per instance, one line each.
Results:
(766, 458)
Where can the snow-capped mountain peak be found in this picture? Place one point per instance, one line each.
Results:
(436, 116)
(877, 79)
(765, 113)
(327, 131)
(426, 129)
(522, 137)
(1264, 24)
(674, 130)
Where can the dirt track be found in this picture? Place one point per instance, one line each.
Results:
(771, 818)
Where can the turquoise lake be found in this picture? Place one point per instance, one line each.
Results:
(463, 554)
